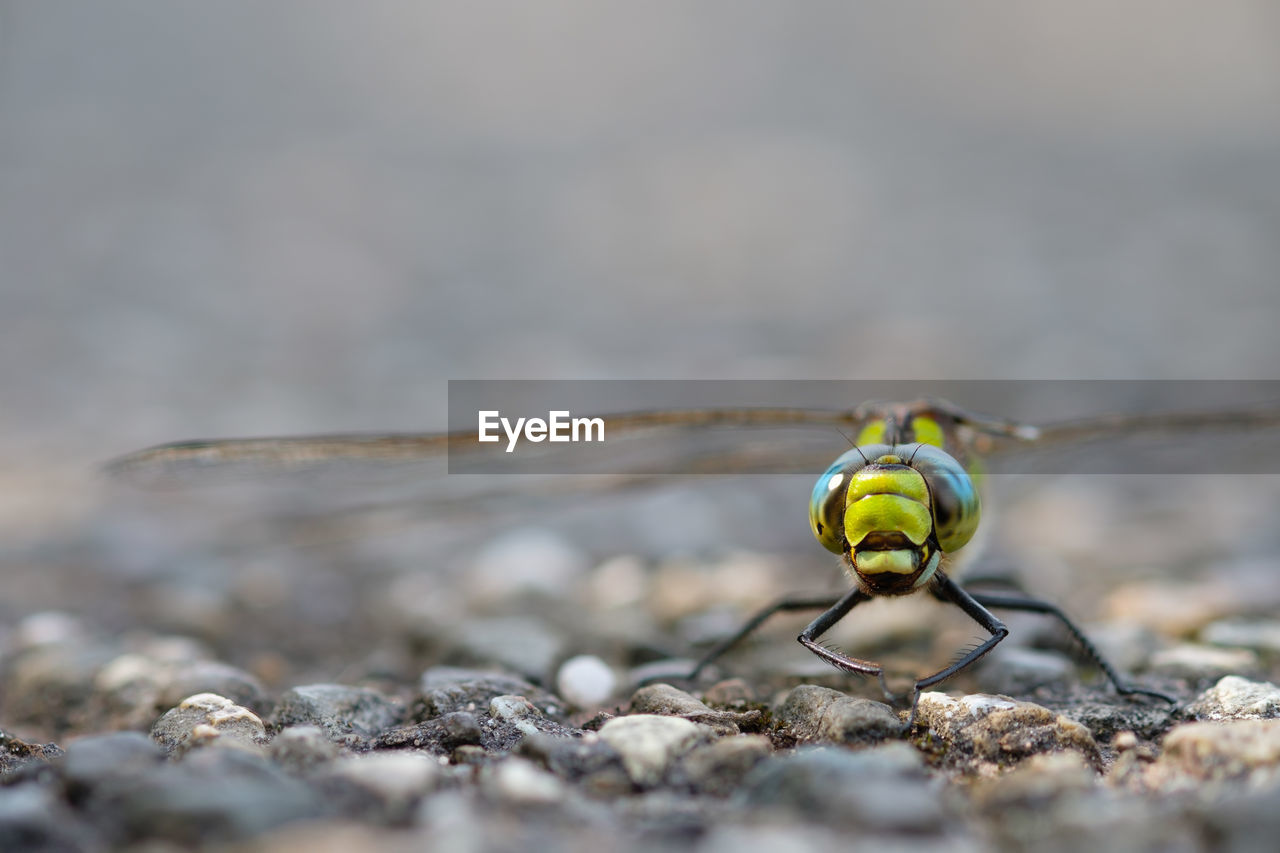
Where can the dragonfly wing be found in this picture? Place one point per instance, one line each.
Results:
(1237, 441)
(325, 487)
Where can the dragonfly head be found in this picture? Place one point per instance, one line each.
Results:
(892, 511)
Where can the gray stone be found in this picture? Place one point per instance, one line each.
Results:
(300, 750)
(33, 819)
(814, 713)
(213, 795)
(348, 715)
(884, 788)
(461, 728)
(133, 688)
(207, 676)
(587, 759)
(205, 718)
(103, 759)
(384, 787)
(719, 767)
(670, 701)
(1149, 718)
(446, 689)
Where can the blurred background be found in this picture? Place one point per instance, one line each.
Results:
(246, 218)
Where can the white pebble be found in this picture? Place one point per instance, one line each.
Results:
(649, 743)
(516, 780)
(585, 681)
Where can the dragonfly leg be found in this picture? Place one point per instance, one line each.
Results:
(809, 639)
(1033, 605)
(947, 590)
(782, 605)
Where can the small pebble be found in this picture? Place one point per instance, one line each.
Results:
(718, 767)
(104, 759)
(396, 777)
(346, 714)
(1199, 662)
(587, 759)
(585, 681)
(1259, 634)
(671, 701)
(1236, 698)
(814, 713)
(446, 688)
(519, 781)
(206, 717)
(207, 676)
(15, 752)
(302, 749)
(649, 743)
(884, 787)
(459, 729)
(44, 628)
(1124, 741)
(511, 708)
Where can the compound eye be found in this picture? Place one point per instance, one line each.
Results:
(956, 509)
(826, 504)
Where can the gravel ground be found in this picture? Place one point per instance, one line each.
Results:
(299, 708)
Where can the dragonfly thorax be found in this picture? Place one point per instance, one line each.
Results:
(892, 511)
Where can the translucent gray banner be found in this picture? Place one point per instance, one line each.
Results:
(659, 428)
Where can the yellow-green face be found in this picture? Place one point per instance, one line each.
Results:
(893, 510)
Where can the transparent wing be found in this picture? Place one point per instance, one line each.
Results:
(319, 489)
(316, 489)
(1224, 441)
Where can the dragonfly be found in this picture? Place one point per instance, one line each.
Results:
(898, 506)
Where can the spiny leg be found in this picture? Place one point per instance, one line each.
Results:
(1033, 605)
(809, 639)
(795, 602)
(947, 590)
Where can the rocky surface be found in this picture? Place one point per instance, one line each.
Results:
(486, 759)
(456, 712)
